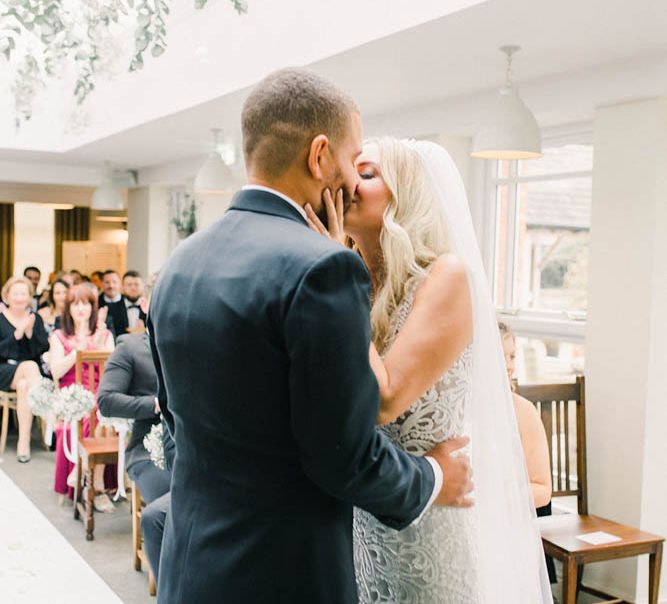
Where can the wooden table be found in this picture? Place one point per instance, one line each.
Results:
(559, 537)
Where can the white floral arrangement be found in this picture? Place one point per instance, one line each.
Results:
(154, 445)
(74, 403)
(42, 397)
(117, 423)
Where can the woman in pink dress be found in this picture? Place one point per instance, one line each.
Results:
(83, 328)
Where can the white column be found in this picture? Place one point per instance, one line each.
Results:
(149, 229)
(626, 339)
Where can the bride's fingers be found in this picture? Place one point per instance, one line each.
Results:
(314, 222)
(466, 502)
(332, 219)
(340, 209)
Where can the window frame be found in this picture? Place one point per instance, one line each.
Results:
(567, 326)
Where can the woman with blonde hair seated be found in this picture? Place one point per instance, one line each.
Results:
(23, 340)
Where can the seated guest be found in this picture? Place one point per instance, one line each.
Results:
(77, 277)
(124, 309)
(33, 274)
(128, 389)
(110, 288)
(96, 279)
(154, 515)
(533, 440)
(83, 328)
(23, 340)
(133, 292)
(51, 313)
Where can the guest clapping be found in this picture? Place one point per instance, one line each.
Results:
(83, 328)
(23, 340)
(52, 313)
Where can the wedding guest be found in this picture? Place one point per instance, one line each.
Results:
(83, 328)
(133, 291)
(23, 340)
(111, 291)
(128, 389)
(124, 309)
(77, 277)
(67, 277)
(533, 440)
(52, 312)
(96, 278)
(33, 274)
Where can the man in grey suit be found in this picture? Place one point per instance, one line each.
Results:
(128, 388)
(260, 331)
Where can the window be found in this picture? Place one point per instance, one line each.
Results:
(539, 255)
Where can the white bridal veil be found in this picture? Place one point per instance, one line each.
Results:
(512, 569)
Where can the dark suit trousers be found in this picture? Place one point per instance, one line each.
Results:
(152, 481)
(153, 518)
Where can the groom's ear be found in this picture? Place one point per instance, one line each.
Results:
(318, 157)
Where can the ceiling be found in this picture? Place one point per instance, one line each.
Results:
(445, 58)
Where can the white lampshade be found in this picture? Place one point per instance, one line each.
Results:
(107, 197)
(509, 130)
(214, 177)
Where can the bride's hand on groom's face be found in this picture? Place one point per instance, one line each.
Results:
(456, 473)
(335, 217)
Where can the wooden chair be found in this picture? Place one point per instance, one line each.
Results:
(139, 556)
(7, 402)
(92, 450)
(559, 534)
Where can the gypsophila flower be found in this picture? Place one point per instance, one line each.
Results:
(73, 403)
(42, 397)
(154, 445)
(117, 423)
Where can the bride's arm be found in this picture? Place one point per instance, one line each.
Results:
(436, 332)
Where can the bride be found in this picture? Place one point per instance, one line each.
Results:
(439, 363)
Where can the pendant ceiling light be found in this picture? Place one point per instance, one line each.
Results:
(108, 196)
(510, 131)
(214, 177)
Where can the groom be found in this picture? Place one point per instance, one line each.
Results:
(260, 333)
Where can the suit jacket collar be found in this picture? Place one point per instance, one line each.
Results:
(264, 202)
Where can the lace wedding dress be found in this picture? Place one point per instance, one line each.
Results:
(433, 561)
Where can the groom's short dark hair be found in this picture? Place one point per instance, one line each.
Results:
(285, 111)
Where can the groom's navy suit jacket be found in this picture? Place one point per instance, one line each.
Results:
(260, 333)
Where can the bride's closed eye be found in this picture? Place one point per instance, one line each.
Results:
(366, 175)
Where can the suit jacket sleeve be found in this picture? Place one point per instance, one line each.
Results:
(335, 397)
(113, 397)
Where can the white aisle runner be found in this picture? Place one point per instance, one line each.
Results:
(37, 564)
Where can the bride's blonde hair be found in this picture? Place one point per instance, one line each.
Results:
(414, 233)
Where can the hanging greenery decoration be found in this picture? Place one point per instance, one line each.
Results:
(58, 33)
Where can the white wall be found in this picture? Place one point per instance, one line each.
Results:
(34, 239)
(150, 237)
(627, 331)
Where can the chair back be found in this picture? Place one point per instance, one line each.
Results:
(90, 360)
(562, 409)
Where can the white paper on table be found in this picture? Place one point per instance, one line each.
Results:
(599, 538)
